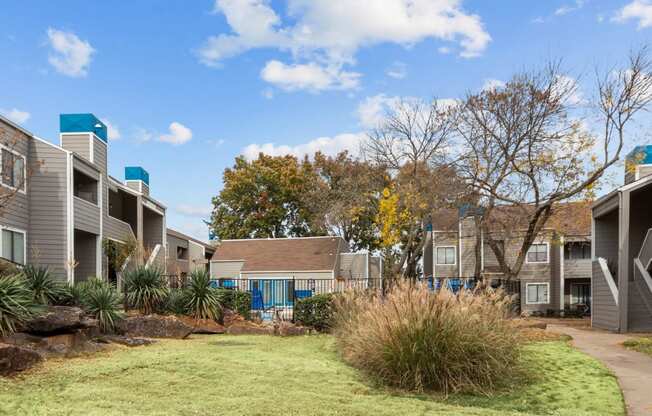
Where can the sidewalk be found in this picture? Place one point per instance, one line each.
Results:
(633, 369)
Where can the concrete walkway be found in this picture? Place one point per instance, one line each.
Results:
(633, 369)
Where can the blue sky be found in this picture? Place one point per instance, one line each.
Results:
(188, 85)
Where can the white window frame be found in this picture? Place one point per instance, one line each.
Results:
(527, 285)
(19, 231)
(15, 153)
(527, 256)
(454, 263)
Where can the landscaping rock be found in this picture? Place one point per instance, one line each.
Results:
(231, 317)
(14, 359)
(126, 341)
(154, 326)
(59, 319)
(203, 326)
(249, 328)
(287, 329)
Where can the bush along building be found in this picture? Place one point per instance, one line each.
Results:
(68, 210)
(622, 253)
(555, 277)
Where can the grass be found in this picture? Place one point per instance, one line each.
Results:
(261, 375)
(643, 344)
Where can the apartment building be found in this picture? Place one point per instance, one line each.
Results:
(186, 254)
(556, 274)
(60, 202)
(622, 253)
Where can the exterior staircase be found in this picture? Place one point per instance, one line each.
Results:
(640, 308)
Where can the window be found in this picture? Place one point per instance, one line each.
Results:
(182, 253)
(577, 250)
(13, 246)
(538, 253)
(445, 255)
(537, 293)
(13, 169)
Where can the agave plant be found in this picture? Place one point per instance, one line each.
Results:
(104, 303)
(44, 287)
(16, 303)
(146, 289)
(203, 301)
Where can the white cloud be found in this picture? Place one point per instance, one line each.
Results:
(179, 134)
(327, 145)
(444, 50)
(397, 70)
(492, 84)
(142, 135)
(195, 228)
(16, 115)
(538, 20)
(311, 77)
(640, 10)
(112, 130)
(575, 95)
(201, 211)
(329, 33)
(569, 8)
(70, 55)
(371, 110)
(268, 93)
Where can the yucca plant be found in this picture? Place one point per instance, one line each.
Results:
(104, 303)
(203, 302)
(44, 287)
(16, 303)
(177, 302)
(146, 289)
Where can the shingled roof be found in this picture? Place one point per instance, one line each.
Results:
(569, 218)
(283, 254)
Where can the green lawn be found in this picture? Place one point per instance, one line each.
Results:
(249, 375)
(643, 345)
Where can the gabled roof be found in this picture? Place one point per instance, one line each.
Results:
(568, 218)
(282, 254)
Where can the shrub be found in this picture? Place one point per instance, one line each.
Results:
(16, 303)
(176, 302)
(419, 340)
(146, 289)
(235, 300)
(202, 300)
(7, 268)
(315, 311)
(103, 302)
(44, 287)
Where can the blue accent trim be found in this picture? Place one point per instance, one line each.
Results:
(641, 155)
(136, 173)
(82, 123)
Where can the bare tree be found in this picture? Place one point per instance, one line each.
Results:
(525, 152)
(14, 170)
(412, 142)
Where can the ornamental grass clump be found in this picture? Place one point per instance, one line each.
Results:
(418, 340)
(202, 300)
(146, 289)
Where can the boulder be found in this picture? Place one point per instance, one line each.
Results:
(14, 359)
(249, 328)
(203, 326)
(154, 326)
(126, 341)
(230, 317)
(57, 320)
(286, 329)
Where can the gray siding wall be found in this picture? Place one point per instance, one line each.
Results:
(226, 269)
(174, 265)
(605, 240)
(427, 255)
(77, 143)
(86, 168)
(577, 269)
(640, 304)
(440, 239)
(604, 309)
(16, 213)
(48, 207)
(85, 256)
(87, 216)
(353, 266)
(117, 230)
(195, 256)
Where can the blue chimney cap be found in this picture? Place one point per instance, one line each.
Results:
(82, 123)
(641, 155)
(136, 173)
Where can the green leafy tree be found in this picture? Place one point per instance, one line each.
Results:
(262, 199)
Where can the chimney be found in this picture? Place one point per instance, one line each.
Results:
(137, 179)
(638, 164)
(85, 135)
